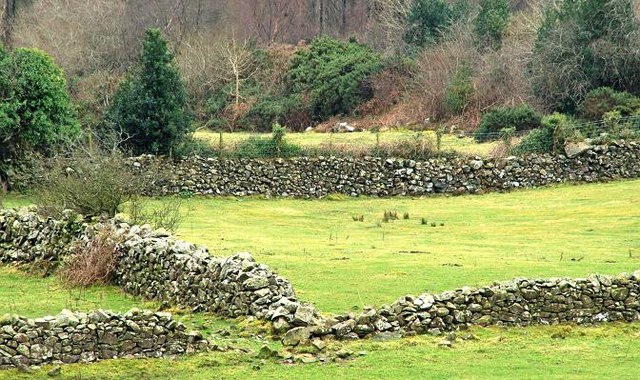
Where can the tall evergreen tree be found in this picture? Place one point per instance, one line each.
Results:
(150, 106)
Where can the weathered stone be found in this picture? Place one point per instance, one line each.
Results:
(305, 315)
(297, 335)
(343, 328)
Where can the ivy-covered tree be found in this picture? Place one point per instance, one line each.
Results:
(36, 113)
(491, 22)
(331, 73)
(150, 106)
(427, 19)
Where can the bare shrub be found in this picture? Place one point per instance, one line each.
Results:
(92, 262)
(387, 87)
(387, 24)
(435, 70)
(501, 75)
(77, 34)
(167, 215)
(89, 183)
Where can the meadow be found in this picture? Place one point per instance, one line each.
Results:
(355, 141)
(341, 264)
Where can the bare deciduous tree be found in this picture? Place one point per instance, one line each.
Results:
(388, 24)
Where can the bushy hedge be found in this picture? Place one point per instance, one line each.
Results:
(36, 113)
(522, 117)
(331, 74)
(550, 137)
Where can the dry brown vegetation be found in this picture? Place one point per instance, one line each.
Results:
(92, 262)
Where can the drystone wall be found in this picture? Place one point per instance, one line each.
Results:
(154, 265)
(160, 267)
(86, 337)
(518, 302)
(157, 266)
(317, 177)
(27, 239)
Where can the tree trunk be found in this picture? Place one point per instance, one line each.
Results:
(343, 23)
(8, 18)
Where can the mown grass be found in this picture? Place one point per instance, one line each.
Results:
(465, 145)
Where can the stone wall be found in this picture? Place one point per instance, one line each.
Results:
(518, 302)
(160, 267)
(157, 266)
(27, 239)
(154, 265)
(320, 176)
(87, 337)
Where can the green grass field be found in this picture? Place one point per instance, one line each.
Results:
(449, 142)
(341, 265)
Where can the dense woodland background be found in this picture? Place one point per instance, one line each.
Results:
(97, 42)
(248, 64)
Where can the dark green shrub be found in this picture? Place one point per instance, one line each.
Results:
(550, 137)
(331, 73)
(491, 22)
(428, 19)
(605, 99)
(36, 112)
(150, 105)
(521, 117)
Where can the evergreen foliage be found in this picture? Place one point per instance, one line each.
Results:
(427, 20)
(332, 72)
(459, 90)
(550, 137)
(36, 113)
(491, 22)
(150, 105)
(521, 117)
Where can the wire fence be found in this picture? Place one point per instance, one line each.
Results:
(406, 144)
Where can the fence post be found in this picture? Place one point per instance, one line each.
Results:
(220, 143)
